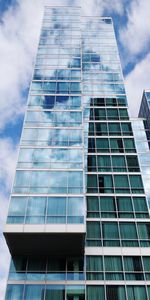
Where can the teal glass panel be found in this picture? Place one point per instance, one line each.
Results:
(144, 231)
(75, 292)
(92, 186)
(17, 207)
(116, 145)
(111, 101)
(55, 292)
(136, 293)
(93, 230)
(102, 145)
(75, 206)
(148, 290)
(146, 262)
(124, 204)
(126, 129)
(105, 183)
(14, 292)
(101, 129)
(113, 263)
(114, 129)
(123, 114)
(112, 114)
(34, 292)
(129, 145)
(95, 293)
(56, 206)
(94, 263)
(36, 206)
(104, 163)
(132, 264)
(136, 184)
(107, 206)
(110, 231)
(99, 114)
(140, 204)
(128, 231)
(118, 164)
(92, 203)
(92, 163)
(121, 184)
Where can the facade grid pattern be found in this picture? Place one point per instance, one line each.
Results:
(78, 171)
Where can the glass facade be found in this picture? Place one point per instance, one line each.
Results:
(78, 172)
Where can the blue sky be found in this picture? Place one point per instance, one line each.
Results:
(19, 31)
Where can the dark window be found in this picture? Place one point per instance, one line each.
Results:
(133, 165)
(115, 293)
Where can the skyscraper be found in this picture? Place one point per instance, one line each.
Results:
(78, 224)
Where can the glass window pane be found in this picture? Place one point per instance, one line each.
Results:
(92, 203)
(75, 291)
(136, 293)
(118, 163)
(14, 292)
(75, 207)
(113, 263)
(104, 164)
(136, 184)
(93, 230)
(110, 231)
(17, 206)
(132, 264)
(121, 183)
(124, 204)
(34, 292)
(55, 292)
(115, 293)
(94, 263)
(56, 206)
(107, 204)
(95, 293)
(144, 231)
(36, 206)
(105, 183)
(146, 262)
(140, 204)
(128, 231)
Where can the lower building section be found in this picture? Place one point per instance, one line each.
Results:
(77, 292)
(90, 277)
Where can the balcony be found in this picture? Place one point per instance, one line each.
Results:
(49, 239)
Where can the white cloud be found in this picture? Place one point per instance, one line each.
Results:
(135, 36)
(19, 31)
(5, 256)
(136, 81)
(97, 7)
(8, 160)
(8, 155)
(4, 266)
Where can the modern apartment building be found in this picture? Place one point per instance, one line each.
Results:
(78, 224)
